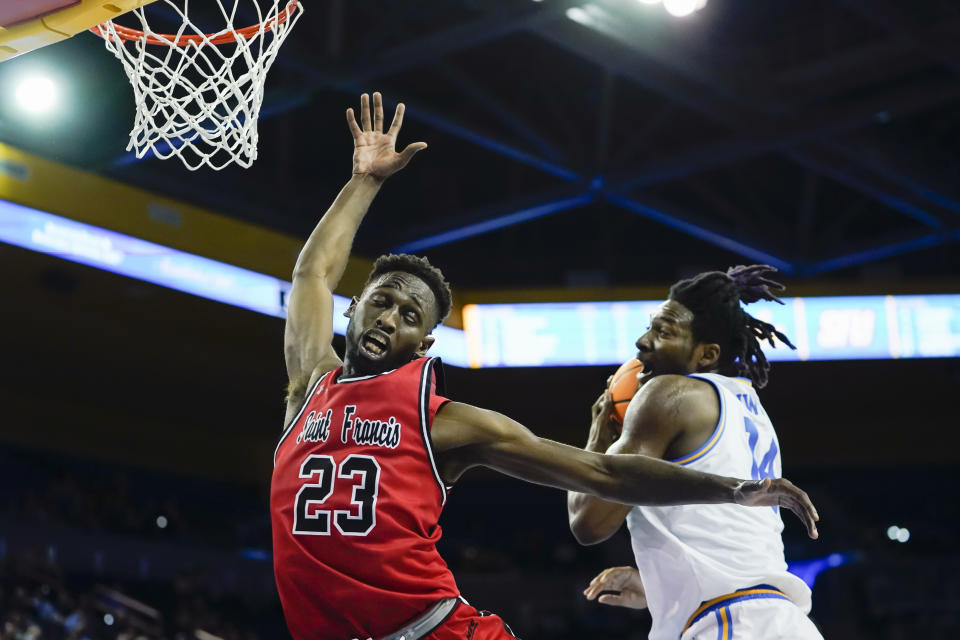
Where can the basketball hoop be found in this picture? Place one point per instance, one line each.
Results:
(198, 94)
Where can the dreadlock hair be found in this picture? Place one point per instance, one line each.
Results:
(421, 268)
(714, 297)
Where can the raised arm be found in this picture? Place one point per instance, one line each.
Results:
(465, 436)
(309, 328)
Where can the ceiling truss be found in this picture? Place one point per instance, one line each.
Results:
(758, 124)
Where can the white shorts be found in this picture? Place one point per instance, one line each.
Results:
(760, 619)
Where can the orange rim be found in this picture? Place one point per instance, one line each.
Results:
(171, 39)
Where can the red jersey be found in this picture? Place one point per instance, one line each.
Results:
(355, 499)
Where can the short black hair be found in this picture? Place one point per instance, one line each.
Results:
(714, 298)
(420, 267)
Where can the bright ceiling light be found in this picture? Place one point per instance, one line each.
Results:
(683, 8)
(578, 15)
(595, 12)
(36, 94)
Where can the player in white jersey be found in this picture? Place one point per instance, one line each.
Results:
(707, 572)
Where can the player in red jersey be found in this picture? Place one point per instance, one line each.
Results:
(371, 446)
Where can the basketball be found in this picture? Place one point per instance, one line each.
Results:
(622, 387)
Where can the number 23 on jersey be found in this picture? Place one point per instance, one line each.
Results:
(322, 472)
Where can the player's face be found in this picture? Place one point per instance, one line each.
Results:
(389, 324)
(668, 345)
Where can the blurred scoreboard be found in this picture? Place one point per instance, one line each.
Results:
(822, 328)
(516, 335)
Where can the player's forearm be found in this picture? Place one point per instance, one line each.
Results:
(591, 519)
(326, 252)
(598, 441)
(637, 479)
(649, 481)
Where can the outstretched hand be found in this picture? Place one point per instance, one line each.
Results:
(374, 152)
(780, 492)
(618, 586)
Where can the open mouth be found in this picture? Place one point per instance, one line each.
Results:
(647, 365)
(374, 345)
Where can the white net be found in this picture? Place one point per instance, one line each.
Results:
(198, 94)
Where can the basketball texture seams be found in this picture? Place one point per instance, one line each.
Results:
(623, 386)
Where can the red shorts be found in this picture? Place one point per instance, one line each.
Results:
(466, 623)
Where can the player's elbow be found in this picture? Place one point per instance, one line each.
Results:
(312, 272)
(587, 533)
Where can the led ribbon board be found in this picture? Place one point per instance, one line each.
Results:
(822, 328)
(135, 258)
(517, 335)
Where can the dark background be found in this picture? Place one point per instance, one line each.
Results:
(822, 134)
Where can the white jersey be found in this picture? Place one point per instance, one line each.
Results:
(690, 554)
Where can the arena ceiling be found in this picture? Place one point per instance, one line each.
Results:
(625, 147)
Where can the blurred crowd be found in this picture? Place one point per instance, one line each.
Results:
(38, 601)
(41, 488)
